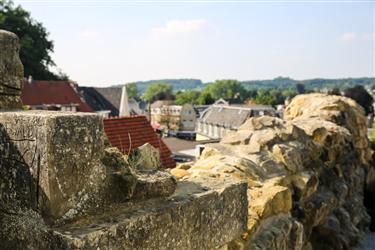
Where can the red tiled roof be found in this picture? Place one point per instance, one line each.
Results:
(53, 92)
(139, 130)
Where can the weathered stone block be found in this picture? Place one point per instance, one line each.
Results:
(147, 157)
(121, 178)
(151, 184)
(202, 214)
(11, 71)
(62, 152)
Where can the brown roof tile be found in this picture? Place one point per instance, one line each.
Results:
(130, 132)
(53, 92)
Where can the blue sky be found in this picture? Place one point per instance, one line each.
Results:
(101, 43)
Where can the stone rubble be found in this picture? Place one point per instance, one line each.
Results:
(306, 174)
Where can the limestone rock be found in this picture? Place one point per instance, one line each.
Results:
(290, 154)
(154, 184)
(11, 71)
(121, 178)
(305, 184)
(235, 138)
(147, 157)
(340, 110)
(270, 199)
(179, 173)
(301, 172)
(279, 232)
(184, 166)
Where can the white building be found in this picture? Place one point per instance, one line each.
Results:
(216, 121)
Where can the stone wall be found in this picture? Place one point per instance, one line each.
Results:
(306, 174)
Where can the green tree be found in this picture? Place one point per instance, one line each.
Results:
(362, 97)
(190, 96)
(36, 47)
(289, 93)
(132, 90)
(264, 97)
(205, 99)
(226, 89)
(300, 87)
(277, 96)
(157, 91)
(334, 91)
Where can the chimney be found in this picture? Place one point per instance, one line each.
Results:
(124, 105)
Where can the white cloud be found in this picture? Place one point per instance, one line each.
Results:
(87, 33)
(348, 37)
(176, 27)
(369, 36)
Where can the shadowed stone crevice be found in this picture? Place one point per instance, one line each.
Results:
(369, 196)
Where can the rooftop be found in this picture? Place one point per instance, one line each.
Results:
(53, 93)
(232, 116)
(97, 101)
(130, 132)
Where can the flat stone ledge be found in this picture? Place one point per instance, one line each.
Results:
(202, 214)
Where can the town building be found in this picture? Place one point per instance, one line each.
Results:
(129, 132)
(186, 150)
(54, 95)
(166, 116)
(98, 102)
(113, 95)
(199, 109)
(218, 120)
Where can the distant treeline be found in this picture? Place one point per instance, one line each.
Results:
(177, 84)
(279, 83)
(270, 92)
(311, 84)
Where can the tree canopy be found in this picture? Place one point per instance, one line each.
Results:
(190, 96)
(362, 97)
(36, 47)
(300, 88)
(205, 98)
(158, 91)
(132, 90)
(226, 89)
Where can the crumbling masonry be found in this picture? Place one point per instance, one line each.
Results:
(306, 175)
